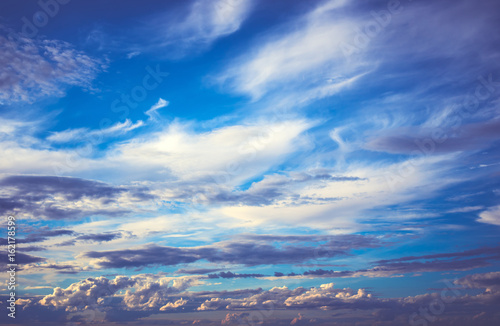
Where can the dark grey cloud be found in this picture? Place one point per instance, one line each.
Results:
(100, 237)
(70, 188)
(46, 266)
(343, 241)
(195, 271)
(484, 251)
(249, 253)
(330, 273)
(21, 259)
(61, 269)
(32, 248)
(489, 281)
(234, 275)
(43, 234)
(34, 195)
(149, 255)
(452, 261)
(24, 259)
(415, 140)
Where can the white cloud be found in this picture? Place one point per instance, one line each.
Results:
(205, 22)
(490, 216)
(308, 53)
(352, 201)
(84, 134)
(174, 305)
(466, 209)
(37, 287)
(222, 157)
(326, 296)
(149, 291)
(226, 155)
(154, 293)
(23, 158)
(151, 113)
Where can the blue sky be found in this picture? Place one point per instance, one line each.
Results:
(248, 161)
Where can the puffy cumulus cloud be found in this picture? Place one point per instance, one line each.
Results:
(174, 305)
(353, 305)
(142, 292)
(86, 293)
(214, 304)
(325, 297)
(41, 68)
(52, 197)
(272, 297)
(233, 318)
(301, 320)
(154, 293)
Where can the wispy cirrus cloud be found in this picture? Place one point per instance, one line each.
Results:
(490, 216)
(42, 68)
(301, 54)
(212, 155)
(197, 26)
(97, 136)
(151, 113)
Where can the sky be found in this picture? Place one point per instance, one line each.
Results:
(251, 162)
